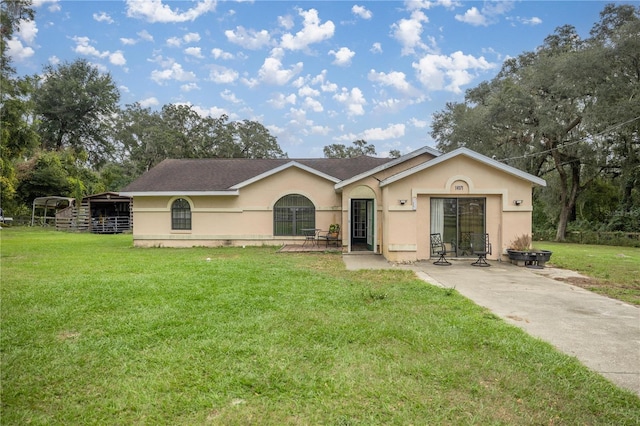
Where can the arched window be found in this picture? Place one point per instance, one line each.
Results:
(180, 214)
(291, 214)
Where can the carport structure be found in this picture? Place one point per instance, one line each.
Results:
(45, 205)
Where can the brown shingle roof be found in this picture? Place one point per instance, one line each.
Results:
(220, 174)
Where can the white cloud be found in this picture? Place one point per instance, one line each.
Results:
(312, 31)
(156, 11)
(222, 75)
(393, 131)
(210, 112)
(343, 56)
(221, 54)
(286, 22)
(174, 42)
(100, 67)
(54, 5)
(298, 117)
(495, 8)
(353, 100)
(473, 17)
(124, 89)
(308, 91)
(362, 12)
(438, 72)
(17, 51)
(279, 100)
(529, 21)
(196, 52)
(176, 72)
(103, 17)
(389, 105)
(420, 124)
(144, 35)
(272, 72)
(191, 38)
(187, 38)
(380, 134)
(376, 48)
(28, 31)
(249, 39)
(313, 104)
(489, 14)
(229, 96)
(189, 87)
(319, 130)
(117, 58)
(325, 85)
(395, 79)
(409, 32)
(84, 47)
(149, 102)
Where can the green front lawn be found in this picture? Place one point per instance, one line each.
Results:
(97, 332)
(616, 270)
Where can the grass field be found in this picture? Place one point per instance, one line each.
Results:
(615, 270)
(97, 332)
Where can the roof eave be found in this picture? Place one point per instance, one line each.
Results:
(281, 168)
(469, 153)
(180, 193)
(409, 156)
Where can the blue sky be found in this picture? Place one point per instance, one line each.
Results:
(314, 73)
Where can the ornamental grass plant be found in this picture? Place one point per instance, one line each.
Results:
(95, 331)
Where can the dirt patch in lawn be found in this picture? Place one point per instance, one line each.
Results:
(625, 293)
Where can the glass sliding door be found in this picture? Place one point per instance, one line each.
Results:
(456, 219)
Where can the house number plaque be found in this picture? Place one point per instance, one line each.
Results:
(460, 187)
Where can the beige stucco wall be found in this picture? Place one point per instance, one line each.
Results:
(369, 187)
(246, 219)
(401, 230)
(407, 226)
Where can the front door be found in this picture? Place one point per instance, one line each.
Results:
(362, 235)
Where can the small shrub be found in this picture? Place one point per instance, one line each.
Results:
(521, 243)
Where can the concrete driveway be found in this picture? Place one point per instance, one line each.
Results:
(603, 333)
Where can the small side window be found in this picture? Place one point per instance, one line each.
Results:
(180, 214)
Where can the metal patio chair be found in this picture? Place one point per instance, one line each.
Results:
(481, 247)
(438, 247)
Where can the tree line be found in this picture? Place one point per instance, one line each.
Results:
(568, 112)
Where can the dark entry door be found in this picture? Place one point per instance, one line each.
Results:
(362, 224)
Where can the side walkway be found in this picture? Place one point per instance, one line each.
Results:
(603, 333)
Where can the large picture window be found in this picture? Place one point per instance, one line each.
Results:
(456, 219)
(180, 214)
(293, 213)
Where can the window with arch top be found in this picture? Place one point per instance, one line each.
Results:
(180, 214)
(293, 213)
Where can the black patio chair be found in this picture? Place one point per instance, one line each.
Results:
(438, 247)
(481, 247)
(330, 237)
